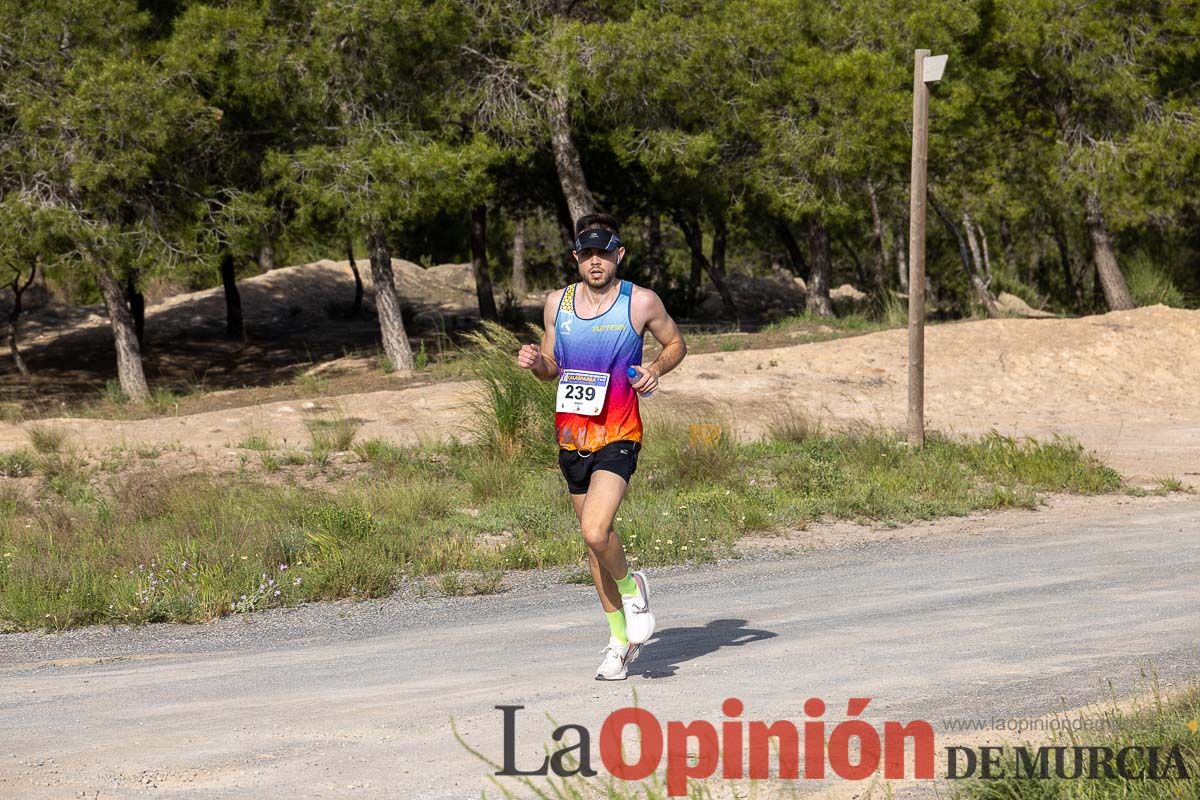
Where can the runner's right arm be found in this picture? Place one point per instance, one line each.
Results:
(540, 360)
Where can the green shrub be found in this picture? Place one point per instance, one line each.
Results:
(516, 410)
(1151, 284)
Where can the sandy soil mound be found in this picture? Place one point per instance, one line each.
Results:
(270, 299)
(1122, 383)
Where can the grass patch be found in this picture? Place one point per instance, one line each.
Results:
(1152, 722)
(46, 439)
(793, 426)
(333, 434)
(17, 464)
(379, 452)
(516, 410)
(147, 452)
(469, 584)
(113, 393)
(312, 385)
(855, 322)
(194, 547)
(1166, 484)
(1151, 284)
(163, 401)
(257, 440)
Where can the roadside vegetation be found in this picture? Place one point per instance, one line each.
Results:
(1159, 723)
(102, 544)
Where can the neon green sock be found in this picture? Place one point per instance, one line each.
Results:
(627, 585)
(616, 624)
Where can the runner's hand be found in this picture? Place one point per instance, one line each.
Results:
(647, 380)
(529, 357)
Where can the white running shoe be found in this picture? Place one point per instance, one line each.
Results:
(639, 619)
(617, 658)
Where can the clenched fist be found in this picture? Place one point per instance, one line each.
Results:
(530, 357)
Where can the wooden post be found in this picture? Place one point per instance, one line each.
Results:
(916, 256)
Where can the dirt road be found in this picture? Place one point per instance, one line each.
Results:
(1013, 615)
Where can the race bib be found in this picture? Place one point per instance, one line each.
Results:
(582, 392)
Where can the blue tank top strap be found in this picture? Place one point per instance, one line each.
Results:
(626, 288)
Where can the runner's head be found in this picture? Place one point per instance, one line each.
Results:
(598, 249)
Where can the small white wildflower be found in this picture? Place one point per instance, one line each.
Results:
(277, 593)
(296, 582)
(245, 557)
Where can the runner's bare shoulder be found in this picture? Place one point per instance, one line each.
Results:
(644, 305)
(551, 309)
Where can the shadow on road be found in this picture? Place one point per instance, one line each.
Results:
(662, 655)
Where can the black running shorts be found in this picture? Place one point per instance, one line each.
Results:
(619, 457)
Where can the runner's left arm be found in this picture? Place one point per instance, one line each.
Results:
(667, 334)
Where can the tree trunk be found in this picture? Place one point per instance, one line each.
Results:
(387, 304)
(820, 256)
(129, 352)
(15, 316)
(902, 262)
(689, 223)
(720, 243)
(234, 328)
(356, 308)
(520, 286)
(880, 234)
(1116, 292)
(987, 258)
(266, 257)
(566, 158)
(479, 264)
(977, 282)
(795, 254)
(137, 308)
(695, 277)
(968, 226)
(1064, 257)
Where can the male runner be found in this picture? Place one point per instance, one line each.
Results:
(593, 335)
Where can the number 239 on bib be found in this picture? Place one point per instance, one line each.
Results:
(582, 392)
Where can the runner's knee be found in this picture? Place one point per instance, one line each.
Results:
(597, 536)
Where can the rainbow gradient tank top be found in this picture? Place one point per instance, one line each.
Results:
(607, 343)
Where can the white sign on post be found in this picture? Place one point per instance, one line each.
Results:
(933, 67)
